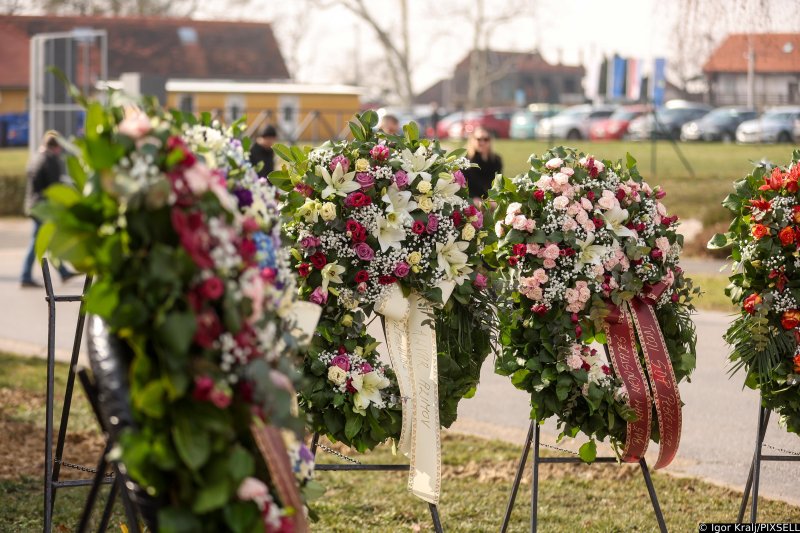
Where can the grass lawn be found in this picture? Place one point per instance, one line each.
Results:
(713, 297)
(477, 478)
(13, 161)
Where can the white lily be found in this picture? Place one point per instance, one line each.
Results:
(331, 273)
(399, 203)
(615, 219)
(338, 183)
(447, 189)
(415, 164)
(369, 388)
(389, 234)
(590, 254)
(452, 259)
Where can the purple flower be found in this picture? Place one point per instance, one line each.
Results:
(480, 281)
(244, 196)
(400, 179)
(310, 242)
(364, 252)
(319, 296)
(459, 178)
(401, 269)
(340, 160)
(433, 223)
(365, 179)
(366, 367)
(305, 454)
(342, 361)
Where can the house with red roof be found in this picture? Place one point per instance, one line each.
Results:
(227, 68)
(773, 59)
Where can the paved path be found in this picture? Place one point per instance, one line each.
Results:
(719, 418)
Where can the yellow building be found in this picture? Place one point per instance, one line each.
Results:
(300, 112)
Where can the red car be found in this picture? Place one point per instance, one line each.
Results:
(496, 121)
(616, 126)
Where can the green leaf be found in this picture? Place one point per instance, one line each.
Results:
(240, 464)
(150, 400)
(193, 443)
(588, 452)
(44, 237)
(63, 194)
(284, 152)
(357, 130)
(178, 520)
(281, 180)
(102, 298)
(212, 497)
(177, 332)
(353, 425)
(411, 131)
(630, 161)
(719, 240)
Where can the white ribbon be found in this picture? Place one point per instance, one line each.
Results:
(412, 350)
(305, 316)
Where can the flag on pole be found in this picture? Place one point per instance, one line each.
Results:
(618, 87)
(634, 79)
(659, 84)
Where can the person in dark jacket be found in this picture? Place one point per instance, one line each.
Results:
(262, 152)
(479, 152)
(46, 168)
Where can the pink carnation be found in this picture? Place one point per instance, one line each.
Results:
(519, 222)
(551, 251)
(554, 163)
(379, 152)
(549, 263)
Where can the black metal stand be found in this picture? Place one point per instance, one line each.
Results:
(533, 437)
(356, 466)
(53, 461)
(753, 477)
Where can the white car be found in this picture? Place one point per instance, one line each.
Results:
(775, 125)
(572, 123)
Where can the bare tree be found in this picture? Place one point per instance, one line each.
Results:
(116, 8)
(396, 42)
(11, 7)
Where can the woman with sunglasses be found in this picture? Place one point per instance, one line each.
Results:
(479, 151)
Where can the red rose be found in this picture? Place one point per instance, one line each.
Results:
(386, 280)
(470, 211)
(538, 195)
(418, 227)
(513, 261)
(539, 309)
(212, 288)
(590, 196)
(786, 235)
(352, 225)
(319, 260)
(519, 250)
(598, 223)
(247, 249)
(203, 385)
(209, 328)
(759, 231)
(304, 269)
(620, 194)
(797, 364)
(790, 319)
(362, 276)
(751, 302)
(456, 216)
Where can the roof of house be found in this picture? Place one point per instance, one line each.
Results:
(170, 47)
(521, 62)
(774, 53)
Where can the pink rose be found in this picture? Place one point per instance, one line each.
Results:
(203, 385)
(458, 177)
(135, 125)
(401, 269)
(533, 248)
(574, 209)
(554, 163)
(400, 179)
(586, 204)
(519, 222)
(433, 224)
(364, 252)
(530, 225)
(220, 398)
(379, 152)
(561, 203)
(581, 217)
(549, 263)
(478, 222)
(540, 276)
(608, 200)
(551, 251)
(319, 296)
(340, 160)
(480, 281)
(252, 489)
(569, 225)
(567, 170)
(342, 361)
(574, 362)
(365, 179)
(198, 177)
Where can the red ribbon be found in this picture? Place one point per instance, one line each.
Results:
(624, 357)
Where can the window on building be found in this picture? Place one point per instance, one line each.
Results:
(234, 107)
(186, 103)
(570, 87)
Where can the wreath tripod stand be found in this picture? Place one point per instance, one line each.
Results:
(753, 478)
(533, 439)
(356, 466)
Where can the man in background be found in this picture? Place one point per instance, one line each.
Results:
(46, 168)
(262, 152)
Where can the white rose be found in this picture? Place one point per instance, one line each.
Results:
(362, 165)
(328, 211)
(561, 203)
(424, 187)
(425, 203)
(336, 375)
(498, 229)
(514, 208)
(468, 232)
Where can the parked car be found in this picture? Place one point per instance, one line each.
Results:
(573, 123)
(525, 121)
(444, 124)
(775, 125)
(496, 121)
(616, 126)
(797, 131)
(718, 125)
(665, 123)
